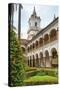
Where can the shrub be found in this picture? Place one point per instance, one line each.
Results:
(51, 72)
(27, 69)
(31, 73)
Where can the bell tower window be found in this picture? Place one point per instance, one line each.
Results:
(35, 23)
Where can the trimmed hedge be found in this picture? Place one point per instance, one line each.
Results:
(42, 72)
(30, 69)
(52, 72)
(41, 80)
(31, 73)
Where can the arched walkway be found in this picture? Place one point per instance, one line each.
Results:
(36, 44)
(41, 41)
(46, 38)
(23, 49)
(53, 34)
(41, 60)
(54, 57)
(47, 59)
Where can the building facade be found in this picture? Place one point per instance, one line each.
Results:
(42, 45)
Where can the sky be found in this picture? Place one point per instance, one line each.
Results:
(45, 12)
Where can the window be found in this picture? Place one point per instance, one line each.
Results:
(35, 23)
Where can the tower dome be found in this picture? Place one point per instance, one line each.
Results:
(34, 24)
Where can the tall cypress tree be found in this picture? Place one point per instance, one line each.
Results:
(17, 73)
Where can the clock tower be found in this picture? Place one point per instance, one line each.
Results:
(34, 25)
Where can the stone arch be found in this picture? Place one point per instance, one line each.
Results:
(30, 61)
(41, 60)
(41, 41)
(54, 57)
(23, 49)
(47, 54)
(46, 38)
(53, 34)
(41, 55)
(54, 52)
(47, 59)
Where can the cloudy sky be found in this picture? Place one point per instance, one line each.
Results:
(46, 14)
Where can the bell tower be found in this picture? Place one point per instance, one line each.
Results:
(34, 25)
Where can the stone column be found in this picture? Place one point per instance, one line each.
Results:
(35, 63)
(32, 62)
(29, 63)
(50, 58)
(48, 62)
(44, 61)
(39, 62)
(49, 38)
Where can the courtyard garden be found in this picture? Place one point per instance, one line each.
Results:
(41, 76)
(21, 74)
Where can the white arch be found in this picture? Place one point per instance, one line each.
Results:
(51, 50)
(52, 29)
(23, 46)
(54, 46)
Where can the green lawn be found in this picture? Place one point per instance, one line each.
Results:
(41, 76)
(38, 80)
